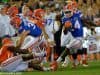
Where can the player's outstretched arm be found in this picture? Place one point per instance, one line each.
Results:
(22, 37)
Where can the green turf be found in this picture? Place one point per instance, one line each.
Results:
(92, 69)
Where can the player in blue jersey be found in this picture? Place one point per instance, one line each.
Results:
(26, 27)
(77, 27)
(76, 32)
(75, 16)
(82, 54)
(35, 31)
(31, 33)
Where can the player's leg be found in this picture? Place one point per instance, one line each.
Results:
(64, 42)
(30, 56)
(10, 64)
(48, 50)
(84, 57)
(66, 61)
(63, 55)
(84, 53)
(26, 57)
(35, 64)
(54, 65)
(76, 45)
(79, 56)
(75, 61)
(22, 66)
(29, 41)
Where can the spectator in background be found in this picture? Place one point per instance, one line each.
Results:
(90, 13)
(53, 12)
(48, 13)
(35, 5)
(97, 21)
(20, 8)
(41, 4)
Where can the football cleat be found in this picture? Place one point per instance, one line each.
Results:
(54, 66)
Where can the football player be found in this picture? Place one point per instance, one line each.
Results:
(13, 59)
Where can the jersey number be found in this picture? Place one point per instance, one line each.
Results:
(77, 24)
(31, 25)
(49, 21)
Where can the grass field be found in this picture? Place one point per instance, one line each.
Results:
(92, 69)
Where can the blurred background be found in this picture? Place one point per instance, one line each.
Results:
(90, 8)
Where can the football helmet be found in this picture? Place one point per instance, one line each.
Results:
(39, 13)
(15, 21)
(12, 11)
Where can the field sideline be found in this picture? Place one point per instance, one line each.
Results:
(92, 69)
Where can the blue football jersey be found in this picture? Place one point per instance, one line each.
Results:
(28, 26)
(64, 19)
(79, 13)
(77, 26)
